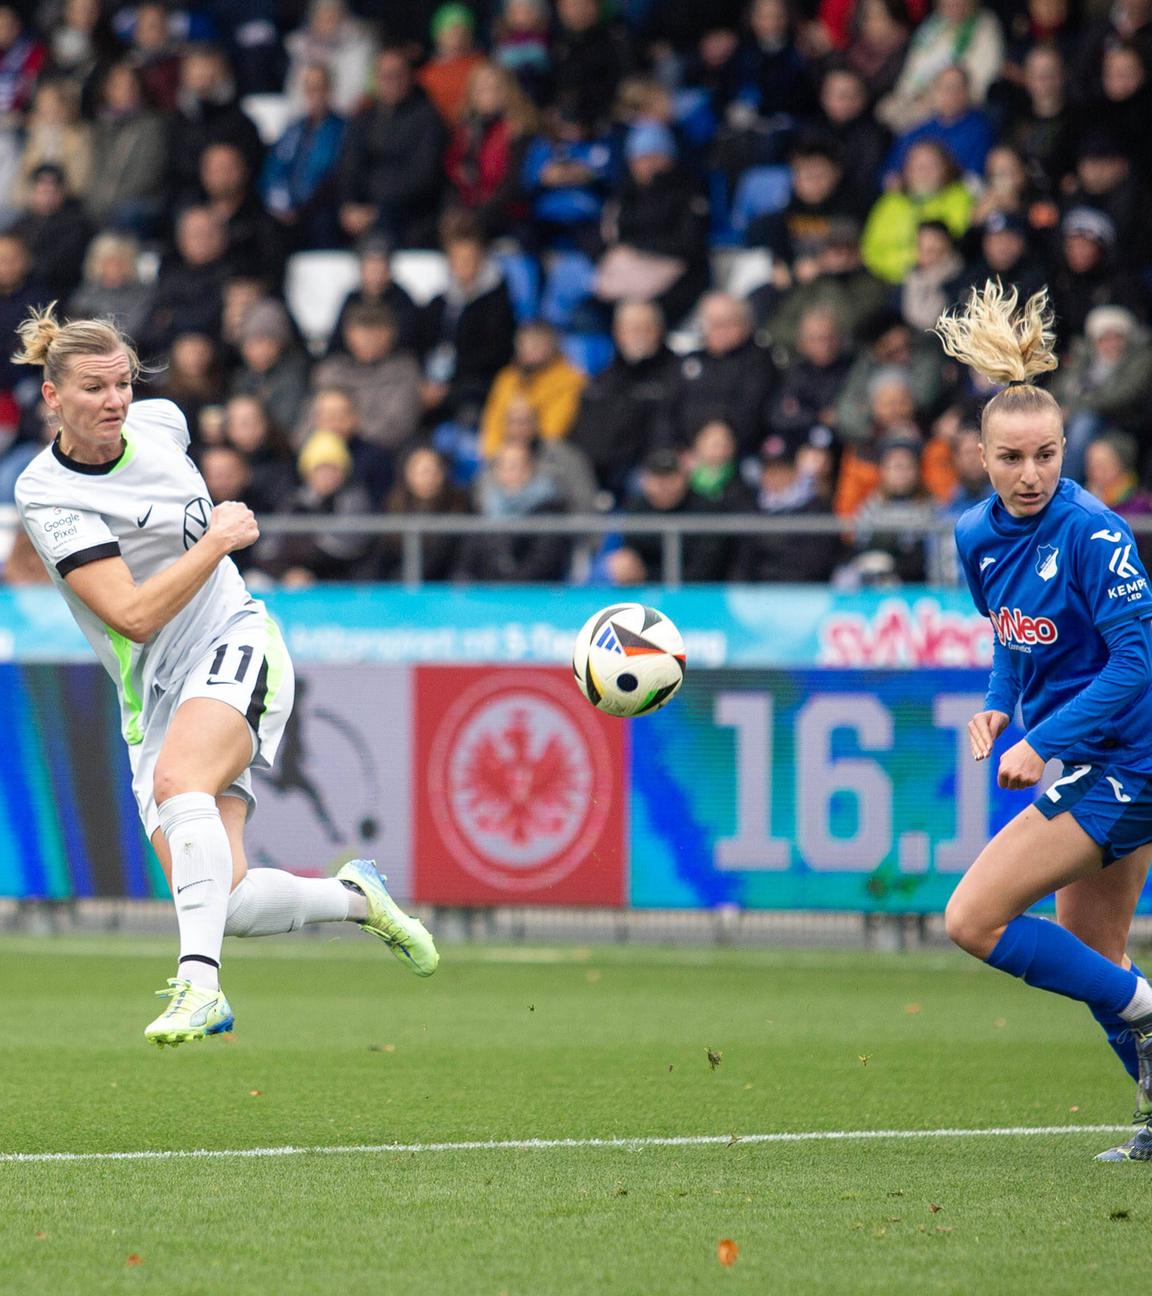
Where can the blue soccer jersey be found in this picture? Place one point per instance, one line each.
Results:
(1068, 597)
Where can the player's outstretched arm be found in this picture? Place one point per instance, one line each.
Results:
(138, 611)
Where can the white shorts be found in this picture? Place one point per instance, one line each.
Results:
(249, 668)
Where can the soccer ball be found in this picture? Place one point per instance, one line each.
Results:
(629, 659)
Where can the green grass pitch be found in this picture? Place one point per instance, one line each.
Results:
(336, 1046)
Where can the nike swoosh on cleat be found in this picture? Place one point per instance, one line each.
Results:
(140, 521)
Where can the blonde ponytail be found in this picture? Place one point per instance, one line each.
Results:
(47, 342)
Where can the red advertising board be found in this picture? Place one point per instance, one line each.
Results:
(519, 790)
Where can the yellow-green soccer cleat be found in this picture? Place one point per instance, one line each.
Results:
(193, 1013)
(406, 937)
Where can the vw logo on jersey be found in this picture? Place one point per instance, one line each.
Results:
(1046, 561)
(197, 514)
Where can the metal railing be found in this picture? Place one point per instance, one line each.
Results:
(672, 530)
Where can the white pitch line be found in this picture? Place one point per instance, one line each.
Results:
(534, 1145)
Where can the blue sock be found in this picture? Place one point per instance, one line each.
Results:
(1119, 1033)
(1048, 957)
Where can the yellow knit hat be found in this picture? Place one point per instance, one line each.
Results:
(324, 447)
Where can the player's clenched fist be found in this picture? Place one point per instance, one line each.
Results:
(1020, 766)
(234, 524)
(983, 730)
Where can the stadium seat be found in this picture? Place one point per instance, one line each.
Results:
(591, 352)
(422, 275)
(270, 113)
(522, 275)
(761, 190)
(569, 282)
(740, 271)
(315, 286)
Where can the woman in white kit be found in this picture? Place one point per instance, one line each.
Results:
(122, 520)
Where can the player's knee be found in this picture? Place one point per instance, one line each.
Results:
(169, 781)
(968, 928)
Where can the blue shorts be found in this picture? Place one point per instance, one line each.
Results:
(1112, 804)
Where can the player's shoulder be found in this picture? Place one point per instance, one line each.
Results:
(1083, 515)
(39, 482)
(973, 523)
(159, 415)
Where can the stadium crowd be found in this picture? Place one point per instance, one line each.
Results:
(691, 253)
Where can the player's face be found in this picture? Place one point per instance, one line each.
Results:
(1023, 454)
(91, 403)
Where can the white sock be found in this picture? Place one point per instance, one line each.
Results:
(1139, 1010)
(201, 880)
(269, 901)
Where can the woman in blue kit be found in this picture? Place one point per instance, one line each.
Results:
(1059, 576)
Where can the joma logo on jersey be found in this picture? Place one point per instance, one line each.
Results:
(1013, 626)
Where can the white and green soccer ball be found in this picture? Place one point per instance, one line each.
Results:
(629, 659)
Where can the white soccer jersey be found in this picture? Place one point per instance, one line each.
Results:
(148, 507)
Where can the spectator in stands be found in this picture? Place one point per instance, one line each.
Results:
(972, 484)
(454, 58)
(54, 135)
(155, 55)
(384, 382)
(715, 482)
(833, 278)
(255, 242)
(1086, 274)
(886, 341)
(377, 288)
(55, 231)
(328, 489)
(539, 374)
(819, 196)
(38, 428)
(228, 476)
(589, 55)
(930, 190)
(878, 44)
(80, 45)
(336, 40)
(424, 489)
(22, 56)
(1105, 179)
(190, 285)
(274, 369)
(1126, 102)
(1105, 381)
(731, 377)
(625, 409)
(930, 286)
(517, 487)
(566, 176)
(1007, 187)
(958, 33)
(334, 409)
(520, 44)
(567, 465)
(18, 293)
(863, 142)
(1110, 473)
(888, 550)
(391, 167)
(769, 73)
(1004, 253)
(655, 229)
(264, 445)
(784, 491)
(1043, 131)
(466, 332)
(128, 158)
(206, 112)
(488, 147)
(964, 130)
(811, 383)
(298, 183)
(111, 288)
(664, 493)
(241, 293)
(1126, 21)
(192, 377)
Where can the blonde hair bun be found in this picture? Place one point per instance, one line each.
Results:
(1002, 341)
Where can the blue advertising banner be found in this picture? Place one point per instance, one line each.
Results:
(814, 789)
(723, 625)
